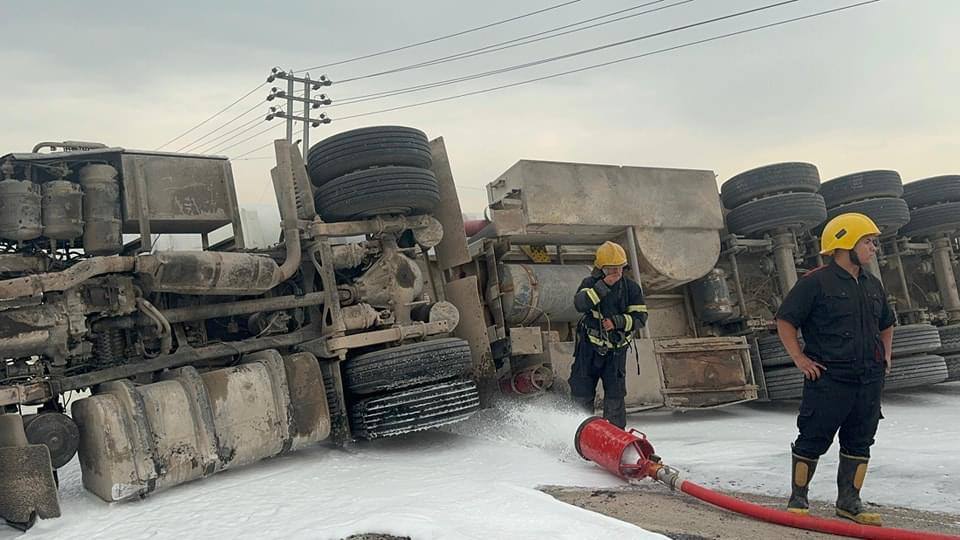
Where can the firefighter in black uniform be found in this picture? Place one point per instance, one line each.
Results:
(847, 329)
(613, 308)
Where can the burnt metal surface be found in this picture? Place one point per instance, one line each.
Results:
(20, 214)
(464, 294)
(676, 213)
(182, 193)
(541, 293)
(101, 208)
(705, 372)
(62, 210)
(208, 272)
(711, 297)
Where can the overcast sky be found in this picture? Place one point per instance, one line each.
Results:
(873, 87)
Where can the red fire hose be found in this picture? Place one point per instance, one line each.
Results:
(630, 456)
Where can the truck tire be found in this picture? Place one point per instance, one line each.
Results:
(916, 371)
(372, 192)
(912, 339)
(785, 210)
(767, 180)
(889, 213)
(407, 365)
(953, 368)
(375, 146)
(949, 339)
(414, 409)
(933, 190)
(859, 186)
(772, 353)
(784, 383)
(930, 220)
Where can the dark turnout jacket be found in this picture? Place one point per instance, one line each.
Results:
(622, 303)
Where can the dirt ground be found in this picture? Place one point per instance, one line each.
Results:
(681, 517)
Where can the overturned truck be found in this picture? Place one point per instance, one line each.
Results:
(545, 221)
(200, 361)
(380, 312)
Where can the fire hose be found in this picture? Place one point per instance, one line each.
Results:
(629, 455)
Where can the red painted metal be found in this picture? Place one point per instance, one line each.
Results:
(528, 381)
(627, 454)
(631, 457)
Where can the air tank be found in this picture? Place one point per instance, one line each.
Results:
(62, 210)
(711, 297)
(538, 293)
(101, 210)
(19, 210)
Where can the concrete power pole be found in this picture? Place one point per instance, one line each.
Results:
(290, 95)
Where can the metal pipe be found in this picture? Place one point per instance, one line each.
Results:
(287, 202)
(634, 259)
(214, 311)
(375, 226)
(60, 281)
(783, 245)
(166, 333)
(902, 276)
(186, 356)
(738, 287)
(45, 391)
(946, 281)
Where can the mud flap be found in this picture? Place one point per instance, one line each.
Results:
(27, 486)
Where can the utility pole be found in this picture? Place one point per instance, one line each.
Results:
(308, 103)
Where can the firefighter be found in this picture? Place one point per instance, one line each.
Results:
(612, 308)
(847, 326)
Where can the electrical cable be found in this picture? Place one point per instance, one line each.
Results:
(580, 52)
(214, 115)
(604, 64)
(509, 44)
(617, 61)
(441, 38)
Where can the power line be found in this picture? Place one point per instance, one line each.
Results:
(604, 64)
(404, 47)
(257, 134)
(220, 139)
(600, 65)
(216, 114)
(398, 91)
(513, 42)
(573, 54)
(448, 36)
(197, 142)
(261, 147)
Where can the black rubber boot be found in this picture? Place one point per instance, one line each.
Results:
(801, 473)
(850, 475)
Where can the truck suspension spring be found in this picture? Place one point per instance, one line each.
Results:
(109, 347)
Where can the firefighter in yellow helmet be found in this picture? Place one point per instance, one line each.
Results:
(613, 308)
(847, 330)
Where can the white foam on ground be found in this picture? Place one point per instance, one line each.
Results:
(477, 479)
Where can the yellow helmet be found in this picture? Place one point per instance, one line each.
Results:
(844, 231)
(610, 254)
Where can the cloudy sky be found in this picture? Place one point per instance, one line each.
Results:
(872, 87)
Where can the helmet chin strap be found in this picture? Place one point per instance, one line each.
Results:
(855, 259)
